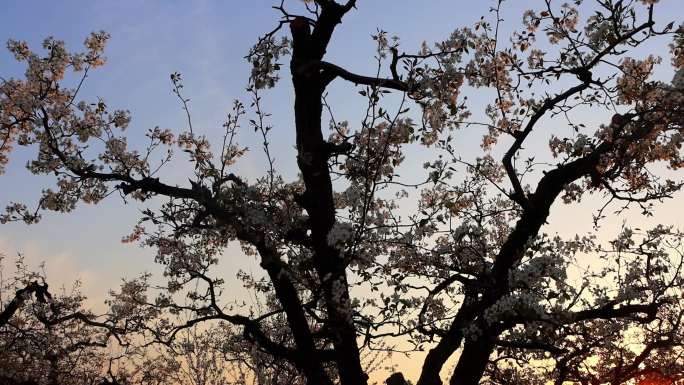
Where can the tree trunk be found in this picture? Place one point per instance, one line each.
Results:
(437, 357)
(312, 159)
(473, 361)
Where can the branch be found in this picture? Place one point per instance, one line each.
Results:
(608, 311)
(530, 345)
(469, 282)
(583, 73)
(41, 292)
(332, 71)
(519, 195)
(331, 15)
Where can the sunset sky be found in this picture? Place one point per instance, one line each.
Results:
(206, 41)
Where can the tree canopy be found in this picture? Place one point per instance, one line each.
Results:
(358, 261)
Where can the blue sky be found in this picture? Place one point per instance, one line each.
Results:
(205, 41)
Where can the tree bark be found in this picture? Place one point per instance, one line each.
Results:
(312, 159)
(473, 361)
(448, 344)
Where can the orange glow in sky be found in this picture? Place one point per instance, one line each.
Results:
(657, 378)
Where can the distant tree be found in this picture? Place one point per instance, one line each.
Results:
(355, 256)
(48, 338)
(215, 356)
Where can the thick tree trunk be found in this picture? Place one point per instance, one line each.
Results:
(437, 356)
(312, 159)
(473, 361)
(287, 295)
(475, 355)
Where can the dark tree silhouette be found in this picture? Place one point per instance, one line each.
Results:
(470, 270)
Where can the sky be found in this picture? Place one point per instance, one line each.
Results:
(206, 41)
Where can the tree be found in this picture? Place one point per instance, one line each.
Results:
(471, 270)
(48, 338)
